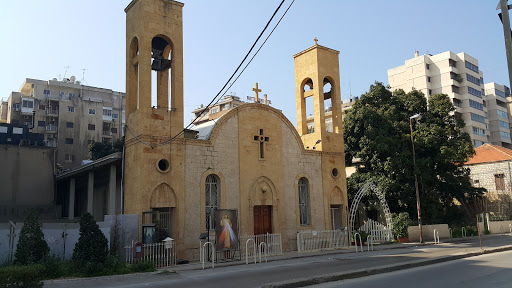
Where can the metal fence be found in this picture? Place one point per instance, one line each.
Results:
(322, 240)
(161, 254)
(379, 232)
(273, 242)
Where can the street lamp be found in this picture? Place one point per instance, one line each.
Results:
(417, 116)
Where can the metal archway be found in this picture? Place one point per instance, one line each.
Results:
(369, 186)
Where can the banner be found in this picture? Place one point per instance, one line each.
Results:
(226, 229)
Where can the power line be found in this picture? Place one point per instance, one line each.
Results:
(227, 82)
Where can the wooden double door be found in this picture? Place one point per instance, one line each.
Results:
(262, 219)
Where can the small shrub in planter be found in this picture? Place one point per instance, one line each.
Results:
(400, 225)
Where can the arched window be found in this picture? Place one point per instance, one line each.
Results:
(212, 199)
(304, 201)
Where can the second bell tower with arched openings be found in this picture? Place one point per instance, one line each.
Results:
(154, 49)
(319, 115)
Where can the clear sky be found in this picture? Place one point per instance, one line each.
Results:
(41, 38)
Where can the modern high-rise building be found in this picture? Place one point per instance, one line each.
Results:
(498, 114)
(458, 76)
(70, 115)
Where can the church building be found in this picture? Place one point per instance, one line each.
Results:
(278, 178)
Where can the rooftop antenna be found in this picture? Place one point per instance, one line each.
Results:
(67, 67)
(83, 76)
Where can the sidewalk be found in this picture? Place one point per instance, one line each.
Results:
(295, 254)
(355, 265)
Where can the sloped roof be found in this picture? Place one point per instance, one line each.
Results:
(205, 129)
(490, 153)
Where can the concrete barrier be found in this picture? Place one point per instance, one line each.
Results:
(497, 227)
(428, 232)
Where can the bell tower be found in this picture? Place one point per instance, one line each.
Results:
(154, 170)
(318, 98)
(154, 55)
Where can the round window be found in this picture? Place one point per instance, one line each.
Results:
(334, 172)
(163, 165)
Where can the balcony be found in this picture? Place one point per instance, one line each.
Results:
(52, 111)
(107, 133)
(51, 128)
(50, 143)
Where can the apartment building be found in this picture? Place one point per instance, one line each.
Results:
(456, 75)
(498, 114)
(216, 111)
(70, 115)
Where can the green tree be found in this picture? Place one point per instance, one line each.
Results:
(98, 150)
(32, 248)
(91, 250)
(377, 132)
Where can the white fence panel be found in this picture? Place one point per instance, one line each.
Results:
(322, 240)
(273, 242)
(161, 254)
(379, 232)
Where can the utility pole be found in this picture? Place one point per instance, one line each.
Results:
(504, 16)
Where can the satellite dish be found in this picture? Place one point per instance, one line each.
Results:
(72, 79)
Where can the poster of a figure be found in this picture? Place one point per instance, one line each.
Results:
(226, 229)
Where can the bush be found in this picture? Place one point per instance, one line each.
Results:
(400, 224)
(31, 248)
(52, 268)
(21, 276)
(114, 266)
(143, 266)
(470, 231)
(91, 250)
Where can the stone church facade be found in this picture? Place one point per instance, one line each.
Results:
(278, 178)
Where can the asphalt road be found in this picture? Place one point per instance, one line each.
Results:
(491, 270)
(256, 275)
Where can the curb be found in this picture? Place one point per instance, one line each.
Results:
(301, 282)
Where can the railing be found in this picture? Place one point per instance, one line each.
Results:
(360, 241)
(52, 111)
(322, 240)
(50, 143)
(51, 127)
(107, 133)
(161, 254)
(436, 237)
(273, 242)
(379, 232)
(202, 254)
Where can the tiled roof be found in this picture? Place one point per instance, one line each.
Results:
(490, 153)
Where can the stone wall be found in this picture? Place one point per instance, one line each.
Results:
(482, 175)
(298, 164)
(428, 232)
(203, 159)
(26, 174)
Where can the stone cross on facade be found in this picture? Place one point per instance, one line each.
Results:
(262, 140)
(256, 90)
(316, 40)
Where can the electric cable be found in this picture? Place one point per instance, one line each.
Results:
(224, 87)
